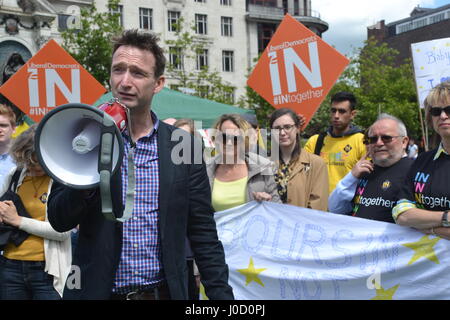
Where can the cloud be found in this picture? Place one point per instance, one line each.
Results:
(348, 19)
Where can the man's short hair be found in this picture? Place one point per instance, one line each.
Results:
(400, 125)
(344, 96)
(7, 112)
(144, 41)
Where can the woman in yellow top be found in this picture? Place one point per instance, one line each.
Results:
(37, 268)
(302, 177)
(236, 175)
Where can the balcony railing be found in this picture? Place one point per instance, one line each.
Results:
(255, 11)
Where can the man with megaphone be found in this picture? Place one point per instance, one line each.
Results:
(143, 257)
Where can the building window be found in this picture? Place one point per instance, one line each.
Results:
(225, 2)
(62, 22)
(229, 95)
(201, 24)
(265, 33)
(297, 8)
(201, 1)
(202, 59)
(173, 20)
(227, 26)
(175, 58)
(227, 61)
(118, 10)
(145, 18)
(437, 17)
(265, 3)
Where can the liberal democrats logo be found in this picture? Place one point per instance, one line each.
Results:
(386, 185)
(348, 148)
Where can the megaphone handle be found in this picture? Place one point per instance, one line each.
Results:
(105, 194)
(131, 187)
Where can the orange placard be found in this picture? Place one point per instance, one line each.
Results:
(49, 79)
(297, 69)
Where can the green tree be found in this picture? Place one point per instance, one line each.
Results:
(386, 87)
(203, 82)
(90, 41)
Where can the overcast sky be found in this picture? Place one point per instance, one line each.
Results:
(348, 19)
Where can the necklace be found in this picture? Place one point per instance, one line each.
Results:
(36, 189)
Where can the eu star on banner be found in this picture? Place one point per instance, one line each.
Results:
(49, 79)
(277, 251)
(297, 69)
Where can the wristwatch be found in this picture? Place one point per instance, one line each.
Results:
(445, 222)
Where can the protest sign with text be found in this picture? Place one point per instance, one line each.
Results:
(49, 79)
(297, 69)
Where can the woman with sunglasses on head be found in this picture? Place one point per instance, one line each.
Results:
(302, 177)
(36, 268)
(236, 175)
(425, 197)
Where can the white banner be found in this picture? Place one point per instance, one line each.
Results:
(277, 251)
(431, 65)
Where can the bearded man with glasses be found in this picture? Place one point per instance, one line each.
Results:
(371, 189)
(341, 146)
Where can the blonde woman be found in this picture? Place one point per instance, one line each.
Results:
(236, 175)
(36, 269)
(421, 205)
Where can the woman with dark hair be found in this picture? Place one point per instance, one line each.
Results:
(38, 267)
(302, 178)
(425, 197)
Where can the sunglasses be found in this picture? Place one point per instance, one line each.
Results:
(437, 111)
(286, 127)
(341, 111)
(225, 138)
(385, 139)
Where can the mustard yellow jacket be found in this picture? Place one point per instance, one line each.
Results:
(308, 182)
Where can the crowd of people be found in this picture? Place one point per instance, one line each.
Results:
(170, 243)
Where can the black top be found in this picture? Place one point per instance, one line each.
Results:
(428, 182)
(378, 192)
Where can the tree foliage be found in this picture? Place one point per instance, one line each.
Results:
(90, 41)
(204, 82)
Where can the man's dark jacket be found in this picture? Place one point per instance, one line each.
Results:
(184, 210)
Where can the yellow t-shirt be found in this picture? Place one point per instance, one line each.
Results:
(33, 193)
(340, 154)
(19, 129)
(226, 195)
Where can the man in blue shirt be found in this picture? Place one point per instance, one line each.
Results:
(144, 257)
(7, 127)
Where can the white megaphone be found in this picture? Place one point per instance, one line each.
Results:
(81, 147)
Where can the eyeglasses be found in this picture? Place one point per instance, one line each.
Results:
(385, 139)
(286, 127)
(225, 138)
(437, 111)
(341, 111)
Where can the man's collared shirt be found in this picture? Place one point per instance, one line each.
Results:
(6, 165)
(440, 151)
(140, 263)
